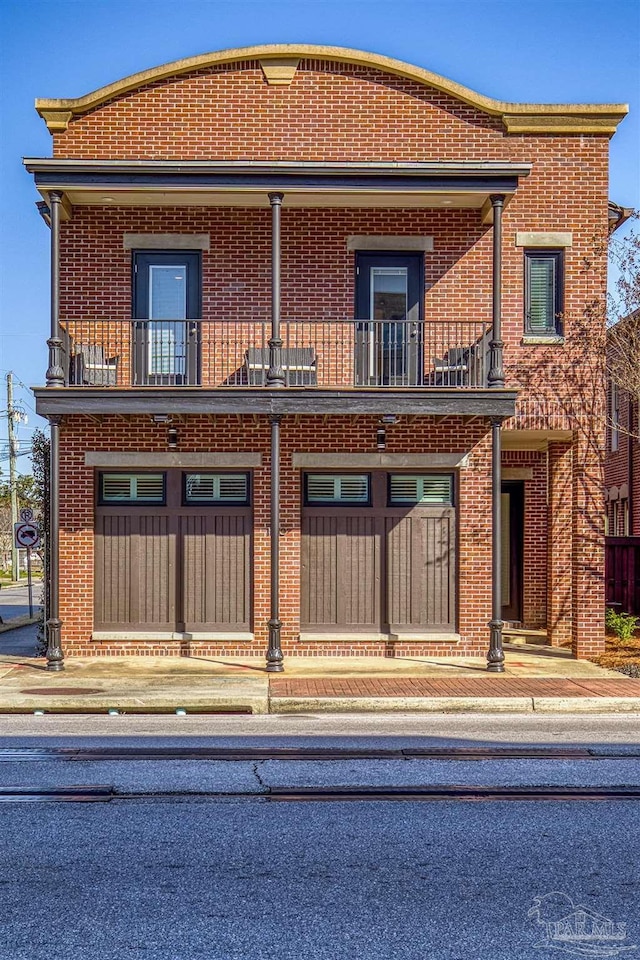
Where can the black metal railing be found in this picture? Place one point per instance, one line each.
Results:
(332, 354)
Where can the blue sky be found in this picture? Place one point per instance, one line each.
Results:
(529, 50)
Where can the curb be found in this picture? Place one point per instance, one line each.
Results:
(136, 705)
(261, 705)
(401, 705)
(16, 622)
(454, 705)
(586, 705)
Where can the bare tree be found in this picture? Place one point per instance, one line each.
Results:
(623, 315)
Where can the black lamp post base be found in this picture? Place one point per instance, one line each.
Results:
(275, 658)
(55, 656)
(495, 657)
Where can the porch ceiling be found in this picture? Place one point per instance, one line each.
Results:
(534, 439)
(242, 184)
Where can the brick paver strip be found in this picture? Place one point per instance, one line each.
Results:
(452, 687)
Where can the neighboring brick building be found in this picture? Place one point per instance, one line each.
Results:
(407, 240)
(622, 458)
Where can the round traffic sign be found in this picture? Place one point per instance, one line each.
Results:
(27, 535)
(26, 514)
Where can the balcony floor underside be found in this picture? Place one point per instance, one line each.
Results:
(288, 400)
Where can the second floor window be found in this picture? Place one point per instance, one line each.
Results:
(614, 395)
(543, 292)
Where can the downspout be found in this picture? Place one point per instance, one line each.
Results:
(55, 379)
(275, 378)
(495, 656)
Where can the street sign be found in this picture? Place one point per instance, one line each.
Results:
(26, 514)
(27, 535)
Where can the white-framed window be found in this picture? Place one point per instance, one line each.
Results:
(617, 518)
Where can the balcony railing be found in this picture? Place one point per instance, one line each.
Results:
(331, 354)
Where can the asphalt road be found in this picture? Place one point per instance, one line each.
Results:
(14, 601)
(341, 730)
(320, 881)
(172, 870)
(19, 641)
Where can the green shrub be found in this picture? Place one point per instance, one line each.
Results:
(622, 624)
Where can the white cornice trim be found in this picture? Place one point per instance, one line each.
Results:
(516, 117)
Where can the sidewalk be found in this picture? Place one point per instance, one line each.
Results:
(544, 681)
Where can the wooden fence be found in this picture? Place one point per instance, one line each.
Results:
(622, 570)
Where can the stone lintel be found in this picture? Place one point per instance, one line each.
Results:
(127, 459)
(374, 461)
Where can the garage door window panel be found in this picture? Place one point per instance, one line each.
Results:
(224, 489)
(132, 488)
(337, 489)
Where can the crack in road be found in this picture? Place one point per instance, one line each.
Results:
(256, 773)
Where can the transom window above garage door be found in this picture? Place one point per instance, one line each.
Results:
(231, 488)
(132, 488)
(420, 488)
(321, 488)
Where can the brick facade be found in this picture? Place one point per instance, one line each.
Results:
(622, 463)
(335, 111)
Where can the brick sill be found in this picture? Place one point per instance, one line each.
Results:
(348, 638)
(102, 636)
(548, 340)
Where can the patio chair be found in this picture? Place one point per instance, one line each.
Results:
(91, 368)
(298, 363)
(452, 369)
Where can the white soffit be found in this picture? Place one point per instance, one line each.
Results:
(79, 196)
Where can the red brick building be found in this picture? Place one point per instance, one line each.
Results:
(622, 459)
(312, 381)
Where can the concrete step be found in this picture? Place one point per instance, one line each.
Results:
(520, 635)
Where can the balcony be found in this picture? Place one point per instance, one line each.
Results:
(316, 354)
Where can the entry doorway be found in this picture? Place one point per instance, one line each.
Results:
(166, 305)
(389, 297)
(512, 549)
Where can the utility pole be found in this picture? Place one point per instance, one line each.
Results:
(13, 478)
